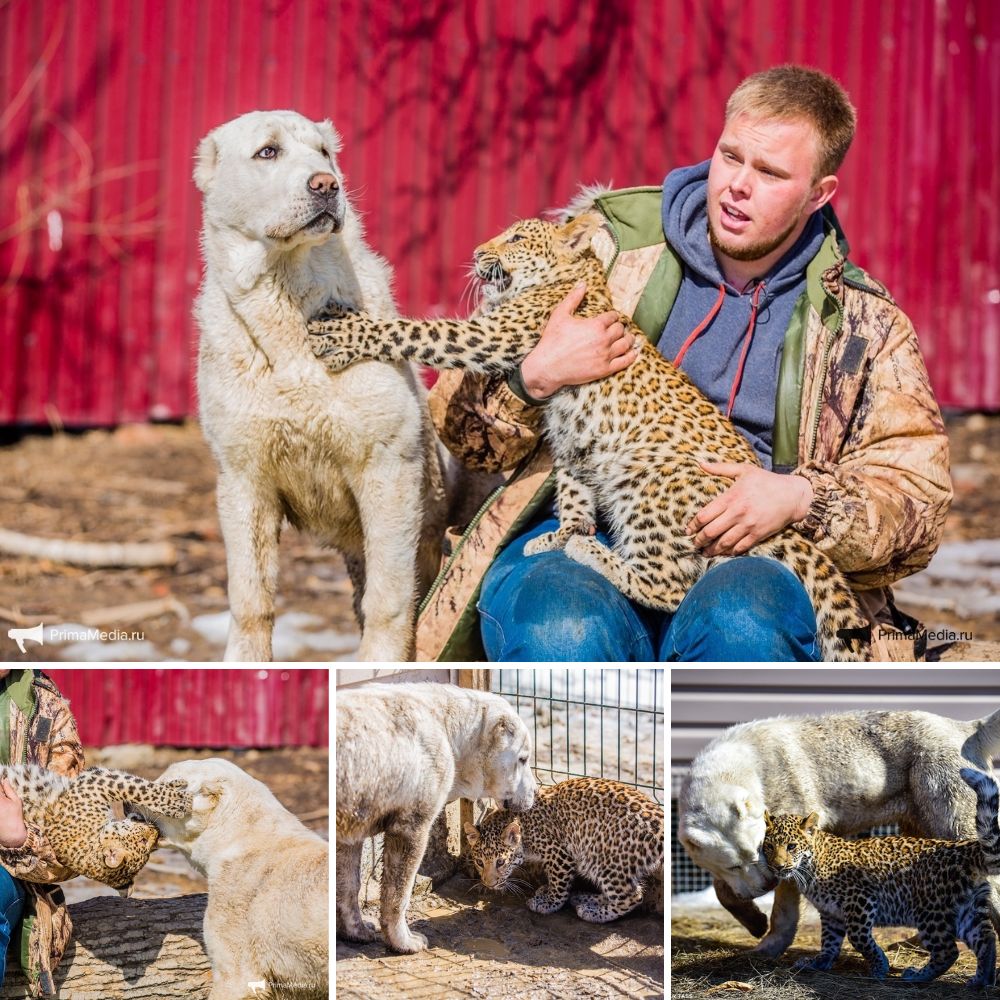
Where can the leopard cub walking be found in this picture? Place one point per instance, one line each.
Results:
(603, 830)
(940, 887)
(74, 814)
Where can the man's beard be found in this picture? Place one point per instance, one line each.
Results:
(755, 251)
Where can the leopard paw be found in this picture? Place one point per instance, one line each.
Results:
(549, 542)
(330, 351)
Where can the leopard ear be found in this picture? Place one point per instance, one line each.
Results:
(810, 822)
(767, 818)
(512, 833)
(472, 834)
(578, 232)
(114, 856)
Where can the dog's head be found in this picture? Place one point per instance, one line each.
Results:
(723, 834)
(507, 767)
(216, 787)
(272, 177)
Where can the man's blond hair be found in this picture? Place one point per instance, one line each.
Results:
(797, 92)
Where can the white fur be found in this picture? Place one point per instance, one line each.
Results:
(349, 456)
(857, 770)
(267, 917)
(403, 751)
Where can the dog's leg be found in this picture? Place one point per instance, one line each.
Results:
(746, 911)
(391, 510)
(251, 525)
(402, 852)
(350, 923)
(784, 921)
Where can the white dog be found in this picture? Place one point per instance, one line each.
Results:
(267, 918)
(857, 770)
(403, 751)
(351, 457)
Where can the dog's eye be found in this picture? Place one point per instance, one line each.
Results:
(266, 153)
(524, 759)
(324, 152)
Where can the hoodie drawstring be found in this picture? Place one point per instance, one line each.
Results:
(697, 331)
(700, 328)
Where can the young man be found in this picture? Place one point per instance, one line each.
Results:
(36, 727)
(737, 270)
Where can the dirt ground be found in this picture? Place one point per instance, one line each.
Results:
(299, 777)
(711, 956)
(496, 947)
(147, 484)
(156, 484)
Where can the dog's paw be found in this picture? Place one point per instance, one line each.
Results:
(772, 946)
(363, 930)
(407, 942)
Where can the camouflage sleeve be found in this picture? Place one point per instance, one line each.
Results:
(482, 422)
(879, 510)
(34, 860)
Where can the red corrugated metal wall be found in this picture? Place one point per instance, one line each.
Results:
(199, 708)
(458, 117)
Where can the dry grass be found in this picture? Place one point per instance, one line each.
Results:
(712, 956)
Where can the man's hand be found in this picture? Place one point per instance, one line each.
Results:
(758, 504)
(13, 832)
(574, 350)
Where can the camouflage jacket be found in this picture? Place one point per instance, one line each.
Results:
(43, 732)
(854, 414)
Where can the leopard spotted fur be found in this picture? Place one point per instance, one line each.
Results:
(603, 830)
(75, 818)
(627, 446)
(938, 886)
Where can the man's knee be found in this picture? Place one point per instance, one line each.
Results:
(748, 608)
(557, 610)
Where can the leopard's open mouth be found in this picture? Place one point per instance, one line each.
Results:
(493, 276)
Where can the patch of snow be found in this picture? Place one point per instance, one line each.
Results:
(99, 652)
(963, 577)
(705, 899)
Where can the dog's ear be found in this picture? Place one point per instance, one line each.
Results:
(331, 137)
(205, 159)
(207, 795)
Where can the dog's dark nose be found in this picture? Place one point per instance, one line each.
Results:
(324, 184)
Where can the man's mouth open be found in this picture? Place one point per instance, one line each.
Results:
(733, 219)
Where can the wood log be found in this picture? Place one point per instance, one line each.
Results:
(129, 949)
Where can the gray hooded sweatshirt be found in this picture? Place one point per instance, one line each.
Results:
(712, 359)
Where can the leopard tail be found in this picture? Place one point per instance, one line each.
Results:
(987, 806)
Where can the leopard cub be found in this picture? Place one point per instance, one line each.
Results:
(941, 887)
(74, 816)
(605, 831)
(627, 449)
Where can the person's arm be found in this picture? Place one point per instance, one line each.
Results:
(487, 425)
(879, 510)
(33, 860)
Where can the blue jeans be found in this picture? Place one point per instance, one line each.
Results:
(548, 607)
(11, 906)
